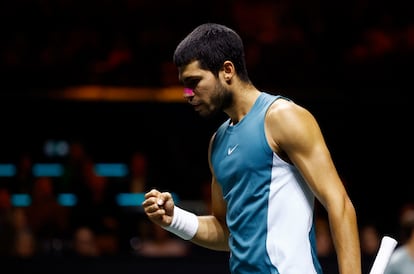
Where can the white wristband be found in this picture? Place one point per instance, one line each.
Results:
(184, 224)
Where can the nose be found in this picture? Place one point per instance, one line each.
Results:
(188, 93)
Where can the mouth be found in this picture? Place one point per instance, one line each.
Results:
(197, 107)
(195, 104)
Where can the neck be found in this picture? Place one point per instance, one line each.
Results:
(243, 101)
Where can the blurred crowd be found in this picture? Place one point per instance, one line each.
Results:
(298, 43)
(50, 44)
(97, 224)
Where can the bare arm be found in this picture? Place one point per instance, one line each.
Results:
(292, 131)
(212, 232)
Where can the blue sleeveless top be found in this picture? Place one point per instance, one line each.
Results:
(269, 205)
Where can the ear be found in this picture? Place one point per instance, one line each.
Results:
(228, 70)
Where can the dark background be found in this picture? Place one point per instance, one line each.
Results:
(369, 141)
(349, 63)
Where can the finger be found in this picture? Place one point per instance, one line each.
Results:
(163, 198)
(154, 210)
(149, 201)
(151, 193)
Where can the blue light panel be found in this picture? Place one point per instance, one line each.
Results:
(7, 170)
(21, 200)
(67, 199)
(111, 169)
(47, 170)
(136, 199)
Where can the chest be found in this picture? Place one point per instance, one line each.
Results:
(238, 156)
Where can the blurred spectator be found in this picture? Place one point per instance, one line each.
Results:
(96, 208)
(138, 169)
(24, 244)
(133, 219)
(84, 242)
(23, 181)
(5, 201)
(402, 259)
(159, 243)
(370, 241)
(73, 177)
(325, 248)
(46, 217)
(115, 68)
(6, 226)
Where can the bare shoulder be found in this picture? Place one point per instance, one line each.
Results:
(289, 124)
(284, 111)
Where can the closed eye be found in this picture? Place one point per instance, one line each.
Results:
(191, 83)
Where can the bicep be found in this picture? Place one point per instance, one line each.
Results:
(213, 232)
(218, 205)
(294, 131)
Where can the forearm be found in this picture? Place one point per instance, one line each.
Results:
(211, 234)
(346, 238)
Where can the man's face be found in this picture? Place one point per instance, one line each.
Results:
(205, 92)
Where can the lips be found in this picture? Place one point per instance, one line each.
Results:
(197, 106)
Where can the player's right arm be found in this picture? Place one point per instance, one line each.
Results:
(212, 231)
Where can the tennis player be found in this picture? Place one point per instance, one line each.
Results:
(269, 163)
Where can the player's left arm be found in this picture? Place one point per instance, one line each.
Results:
(294, 132)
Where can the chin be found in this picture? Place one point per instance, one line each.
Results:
(209, 114)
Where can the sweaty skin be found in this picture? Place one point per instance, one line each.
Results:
(293, 133)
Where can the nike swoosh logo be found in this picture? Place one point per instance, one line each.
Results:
(231, 149)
